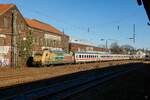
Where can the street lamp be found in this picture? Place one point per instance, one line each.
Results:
(106, 42)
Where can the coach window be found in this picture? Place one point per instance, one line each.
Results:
(79, 56)
(76, 56)
(82, 56)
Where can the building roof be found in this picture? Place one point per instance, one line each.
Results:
(32, 22)
(42, 26)
(5, 7)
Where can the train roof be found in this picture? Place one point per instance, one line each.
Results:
(86, 53)
(57, 51)
(91, 52)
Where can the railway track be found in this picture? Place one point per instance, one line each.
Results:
(12, 77)
(64, 88)
(18, 75)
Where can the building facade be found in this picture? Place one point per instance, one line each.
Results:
(46, 36)
(14, 26)
(76, 47)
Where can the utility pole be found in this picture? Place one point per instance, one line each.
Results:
(134, 33)
(14, 39)
(106, 43)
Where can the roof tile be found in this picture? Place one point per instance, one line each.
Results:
(31, 22)
(42, 26)
(5, 7)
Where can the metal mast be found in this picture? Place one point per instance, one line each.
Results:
(14, 37)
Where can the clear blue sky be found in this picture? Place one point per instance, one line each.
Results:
(101, 16)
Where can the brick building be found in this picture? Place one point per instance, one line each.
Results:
(46, 36)
(14, 25)
(75, 47)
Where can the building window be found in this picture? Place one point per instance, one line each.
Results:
(5, 22)
(34, 40)
(45, 42)
(38, 41)
(22, 26)
(2, 41)
(79, 56)
(49, 42)
(59, 43)
(41, 42)
(54, 41)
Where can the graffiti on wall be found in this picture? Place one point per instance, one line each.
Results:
(4, 61)
(4, 49)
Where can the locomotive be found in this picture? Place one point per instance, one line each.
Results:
(52, 57)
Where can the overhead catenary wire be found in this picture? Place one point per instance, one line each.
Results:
(77, 27)
(87, 29)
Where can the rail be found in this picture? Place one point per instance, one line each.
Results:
(66, 88)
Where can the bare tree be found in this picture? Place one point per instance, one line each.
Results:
(115, 48)
(25, 49)
(127, 49)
